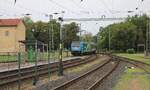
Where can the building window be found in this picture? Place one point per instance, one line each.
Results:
(7, 33)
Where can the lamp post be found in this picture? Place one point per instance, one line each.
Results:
(49, 48)
(60, 66)
(50, 42)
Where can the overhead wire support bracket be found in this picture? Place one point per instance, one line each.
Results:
(94, 19)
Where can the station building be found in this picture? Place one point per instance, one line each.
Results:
(11, 32)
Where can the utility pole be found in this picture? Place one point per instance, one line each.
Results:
(52, 37)
(80, 31)
(109, 40)
(49, 48)
(147, 38)
(98, 40)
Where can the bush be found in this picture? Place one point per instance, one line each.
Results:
(130, 51)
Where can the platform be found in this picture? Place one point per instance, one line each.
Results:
(14, 65)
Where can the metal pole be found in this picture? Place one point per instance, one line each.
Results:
(19, 71)
(52, 43)
(52, 37)
(149, 37)
(35, 78)
(60, 67)
(97, 42)
(146, 51)
(109, 40)
(80, 31)
(43, 47)
(49, 54)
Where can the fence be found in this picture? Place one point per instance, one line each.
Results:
(20, 60)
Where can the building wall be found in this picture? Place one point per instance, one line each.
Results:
(20, 36)
(9, 43)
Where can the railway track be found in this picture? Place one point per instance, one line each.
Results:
(11, 76)
(139, 64)
(142, 65)
(91, 79)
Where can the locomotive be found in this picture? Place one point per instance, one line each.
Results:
(82, 48)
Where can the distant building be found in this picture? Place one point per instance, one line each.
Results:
(11, 32)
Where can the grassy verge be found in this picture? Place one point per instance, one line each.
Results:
(134, 79)
(138, 57)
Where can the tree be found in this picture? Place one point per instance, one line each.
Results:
(70, 34)
(29, 26)
(87, 37)
(141, 23)
(122, 36)
(43, 32)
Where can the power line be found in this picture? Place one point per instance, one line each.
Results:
(20, 6)
(84, 10)
(75, 3)
(109, 10)
(62, 6)
(103, 5)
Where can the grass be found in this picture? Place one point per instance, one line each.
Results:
(134, 79)
(8, 58)
(138, 57)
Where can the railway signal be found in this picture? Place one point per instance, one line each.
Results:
(60, 66)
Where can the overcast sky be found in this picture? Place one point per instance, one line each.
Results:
(74, 9)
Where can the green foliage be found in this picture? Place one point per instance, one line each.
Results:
(70, 34)
(87, 37)
(29, 26)
(43, 31)
(124, 35)
(130, 51)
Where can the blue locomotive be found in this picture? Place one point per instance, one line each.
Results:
(82, 48)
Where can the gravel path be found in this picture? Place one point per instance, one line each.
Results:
(111, 80)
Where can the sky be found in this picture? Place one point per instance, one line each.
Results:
(39, 9)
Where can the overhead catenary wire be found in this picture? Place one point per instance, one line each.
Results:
(103, 2)
(6, 12)
(17, 5)
(83, 9)
(63, 7)
(77, 5)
